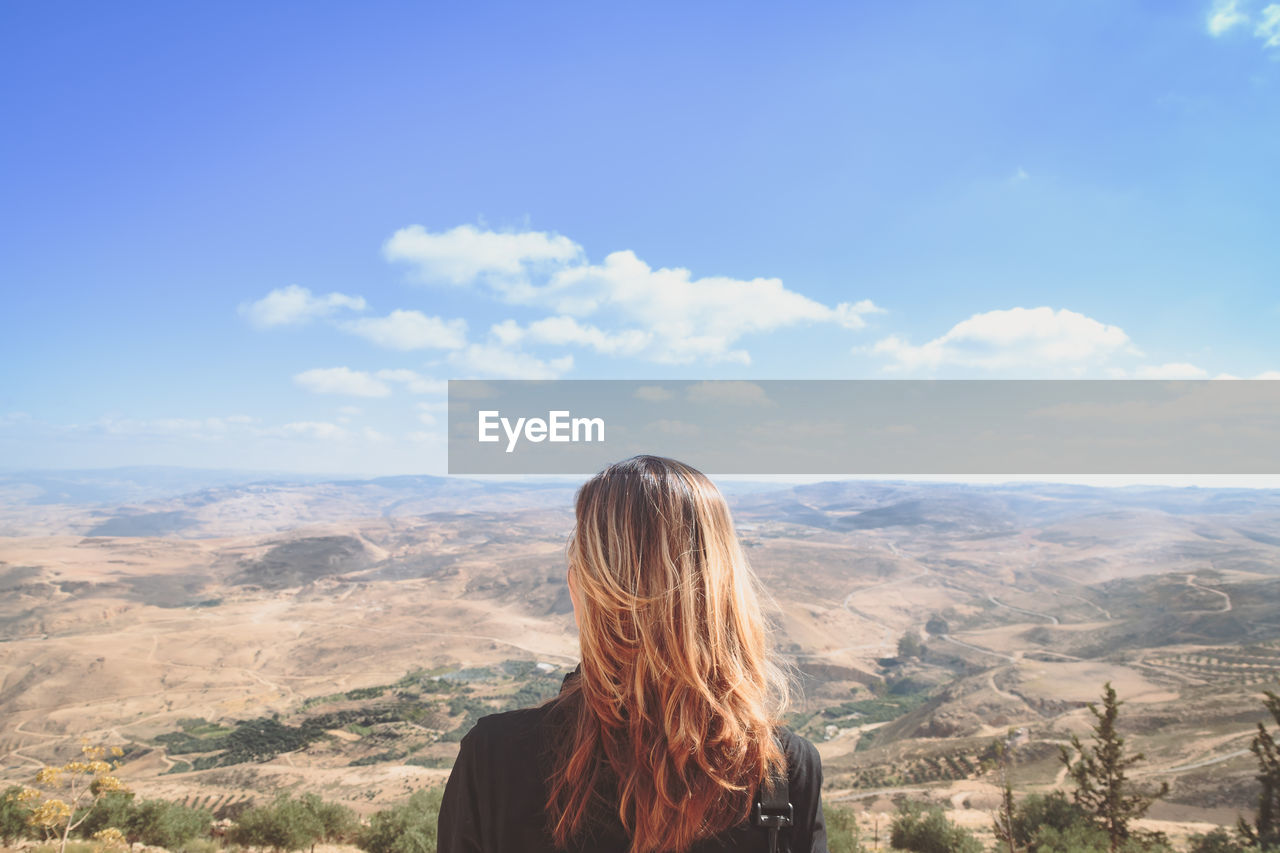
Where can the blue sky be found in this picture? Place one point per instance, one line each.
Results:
(263, 235)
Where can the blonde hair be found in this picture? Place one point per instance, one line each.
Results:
(671, 719)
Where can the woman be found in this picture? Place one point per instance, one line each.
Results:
(666, 737)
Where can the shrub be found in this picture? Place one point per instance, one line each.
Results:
(284, 825)
(160, 823)
(407, 828)
(928, 831)
(1218, 841)
(843, 833)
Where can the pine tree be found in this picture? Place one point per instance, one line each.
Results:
(1005, 832)
(1266, 832)
(1103, 791)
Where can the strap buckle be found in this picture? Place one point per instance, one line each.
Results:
(774, 818)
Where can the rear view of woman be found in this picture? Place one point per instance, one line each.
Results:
(666, 738)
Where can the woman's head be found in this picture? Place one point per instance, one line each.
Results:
(677, 695)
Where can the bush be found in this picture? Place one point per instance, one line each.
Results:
(1218, 841)
(408, 828)
(113, 810)
(843, 833)
(284, 825)
(160, 823)
(928, 831)
(1053, 811)
(13, 816)
(337, 822)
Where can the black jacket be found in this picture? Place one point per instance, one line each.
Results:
(495, 799)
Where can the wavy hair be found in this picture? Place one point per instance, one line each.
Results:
(671, 718)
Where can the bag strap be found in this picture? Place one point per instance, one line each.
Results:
(773, 810)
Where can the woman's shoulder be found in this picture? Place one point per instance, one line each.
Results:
(804, 764)
(496, 730)
(796, 746)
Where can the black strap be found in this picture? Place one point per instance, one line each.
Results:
(773, 809)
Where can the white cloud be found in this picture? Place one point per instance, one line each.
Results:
(1013, 338)
(1172, 370)
(652, 393)
(498, 361)
(415, 382)
(465, 253)
(341, 380)
(1268, 374)
(294, 305)
(317, 430)
(850, 314)
(563, 330)
(1268, 28)
(668, 316)
(664, 315)
(410, 330)
(1224, 15)
(728, 393)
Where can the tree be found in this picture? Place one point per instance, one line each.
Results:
(160, 823)
(928, 831)
(407, 828)
(337, 822)
(909, 646)
(284, 825)
(1052, 812)
(1265, 832)
(113, 810)
(1001, 753)
(15, 813)
(85, 782)
(1103, 790)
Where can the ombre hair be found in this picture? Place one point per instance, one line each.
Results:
(671, 719)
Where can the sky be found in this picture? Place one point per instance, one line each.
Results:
(263, 236)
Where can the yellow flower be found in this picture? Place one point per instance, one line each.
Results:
(50, 813)
(49, 775)
(110, 838)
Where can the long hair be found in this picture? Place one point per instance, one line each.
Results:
(671, 718)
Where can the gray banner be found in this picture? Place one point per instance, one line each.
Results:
(869, 427)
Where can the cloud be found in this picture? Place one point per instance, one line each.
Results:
(665, 315)
(652, 393)
(413, 381)
(688, 318)
(497, 361)
(315, 430)
(1226, 15)
(1268, 28)
(1172, 370)
(564, 330)
(728, 393)
(465, 253)
(294, 305)
(410, 330)
(341, 380)
(1013, 338)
